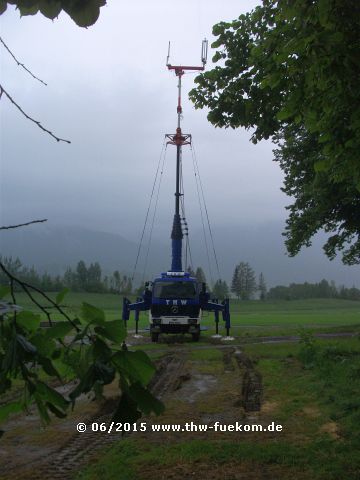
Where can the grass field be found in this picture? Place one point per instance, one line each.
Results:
(252, 318)
(311, 388)
(314, 396)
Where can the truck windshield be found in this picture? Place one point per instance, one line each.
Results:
(174, 290)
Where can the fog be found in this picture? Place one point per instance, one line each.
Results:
(109, 92)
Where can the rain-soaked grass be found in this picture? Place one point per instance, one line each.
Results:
(312, 389)
(250, 318)
(137, 460)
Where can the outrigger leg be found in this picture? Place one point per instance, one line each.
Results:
(216, 307)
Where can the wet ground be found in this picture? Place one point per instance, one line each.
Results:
(194, 389)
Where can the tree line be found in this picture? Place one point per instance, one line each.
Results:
(82, 278)
(323, 289)
(90, 278)
(245, 284)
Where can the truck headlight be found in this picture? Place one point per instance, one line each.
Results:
(193, 321)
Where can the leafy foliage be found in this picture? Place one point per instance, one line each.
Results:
(289, 71)
(84, 12)
(309, 348)
(88, 349)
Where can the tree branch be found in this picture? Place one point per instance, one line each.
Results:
(2, 90)
(26, 287)
(43, 309)
(23, 224)
(12, 292)
(21, 64)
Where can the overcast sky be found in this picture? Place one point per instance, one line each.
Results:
(110, 93)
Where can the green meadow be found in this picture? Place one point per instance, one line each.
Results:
(249, 318)
(312, 389)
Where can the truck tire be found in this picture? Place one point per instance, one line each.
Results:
(154, 336)
(196, 336)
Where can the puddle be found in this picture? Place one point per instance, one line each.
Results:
(197, 385)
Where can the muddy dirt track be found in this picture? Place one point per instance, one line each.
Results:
(63, 453)
(58, 452)
(25, 455)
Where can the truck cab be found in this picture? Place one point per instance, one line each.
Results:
(175, 305)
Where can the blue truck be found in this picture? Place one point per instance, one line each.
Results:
(175, 300)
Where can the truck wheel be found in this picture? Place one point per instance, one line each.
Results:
(154, 337)
(196, 336)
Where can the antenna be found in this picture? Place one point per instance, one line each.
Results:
(168, 56)
(204, 51)
(180, 69)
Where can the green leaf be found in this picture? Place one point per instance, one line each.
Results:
(321, 166)
(92, 314)
(85, 385)
(48, 367)
(82, 334)
(145, 399)
(10, 358)
(45, 346)
(41, 408)
(218, 56)
(103, 373)
(217, 29)
(28, 10)
(114, 331)
(50, 395)
(59, 330)
(50, 8)
(126, 410)
(61, 295)
(285, 113)
(25, 344)
(4, 289)
(28, 320)
(136, 365)
(100, 350)
(6, 410)
(55, 411)
(3, 6)
(5, 384)
(324, 138)
(98, 389)
(84, 14)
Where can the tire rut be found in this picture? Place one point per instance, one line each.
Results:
(81, 448)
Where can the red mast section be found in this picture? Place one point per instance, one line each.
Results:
(180, 139)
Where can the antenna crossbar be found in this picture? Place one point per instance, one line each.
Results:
(179, 138)
(180, 69)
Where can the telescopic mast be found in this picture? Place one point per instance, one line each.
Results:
(180, 139)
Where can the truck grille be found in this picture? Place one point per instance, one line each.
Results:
(169, 310)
